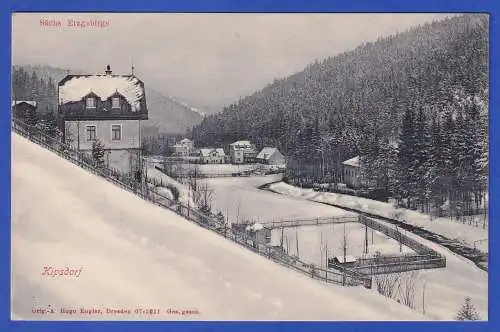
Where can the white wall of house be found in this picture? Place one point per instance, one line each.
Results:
(129, 133)
(120, 153)
(237, 156)
(352, 176)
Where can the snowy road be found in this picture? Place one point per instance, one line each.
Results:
(134, 255)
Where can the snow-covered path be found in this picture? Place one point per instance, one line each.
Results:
(133, 254)
(241, 196)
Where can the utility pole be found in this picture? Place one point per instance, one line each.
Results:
(282, 231)
(366, 239)
(326, 266)
(423, 298)
(189, 197)
(297, 242)
(78, 138)
(344, 245)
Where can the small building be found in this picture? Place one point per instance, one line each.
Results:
(104, 107)
(270, 156)
(212, 156)
(183, 148)
(347, 261)
(241, 152)
(351, 172)
(22, 108)
(259, 233)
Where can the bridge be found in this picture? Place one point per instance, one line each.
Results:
(309, 222)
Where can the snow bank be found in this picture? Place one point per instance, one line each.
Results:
(467, 234)
(184, 195)
(134, 255)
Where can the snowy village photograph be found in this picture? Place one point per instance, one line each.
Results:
(249, 167)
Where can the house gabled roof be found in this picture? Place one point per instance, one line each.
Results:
(220, 152)
(73, 88)
(242, 143)
(266, 153)
(205, 152)
(185, 140)
(352, 162)
(29, 102)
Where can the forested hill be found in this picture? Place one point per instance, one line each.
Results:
(336, 105)
(39, 83)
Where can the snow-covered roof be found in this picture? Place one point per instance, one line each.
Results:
(205, 152)
(220, 151)
(30, 102)
(266, 153)
(241, 143)
(75, 87)
(185, 141)
(352, 162)
(348, 259)
(256, 227)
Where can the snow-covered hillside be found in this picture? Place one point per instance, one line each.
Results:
(133, 254)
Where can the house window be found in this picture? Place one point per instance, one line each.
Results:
(115, 102)
(116, 132)
(90, 102)
(91, 133)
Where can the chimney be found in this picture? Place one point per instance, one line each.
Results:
(108, 70)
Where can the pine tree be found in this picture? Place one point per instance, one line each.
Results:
(422, 162)
(98, 152)
(50, 125)
(406, 177)
(31, 118)
(468, 311)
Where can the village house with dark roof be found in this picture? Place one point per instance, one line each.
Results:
(105, 107)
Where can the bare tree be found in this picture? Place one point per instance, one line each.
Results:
(406, 288)
(387, 283)
(344, 244)
(205, 197)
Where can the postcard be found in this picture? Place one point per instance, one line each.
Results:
(249, 167)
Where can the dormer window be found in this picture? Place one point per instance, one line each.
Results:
(90, 102)
(115, 102)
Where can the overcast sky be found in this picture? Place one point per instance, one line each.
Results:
(207, 60)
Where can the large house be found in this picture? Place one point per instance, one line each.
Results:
(183, 148)
(212, 156)
(352, 173)
(105, 107)
(270, 156)
(22, 108)
(242, 152)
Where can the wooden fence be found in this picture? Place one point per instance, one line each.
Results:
(425, 257)
(309, 222)
(206, 175)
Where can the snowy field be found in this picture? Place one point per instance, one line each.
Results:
(315, 241)
(133, 254)
(241, 199)
(465, 233)
(446, 288)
